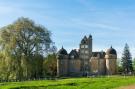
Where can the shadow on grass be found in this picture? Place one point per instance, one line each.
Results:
(45, 87)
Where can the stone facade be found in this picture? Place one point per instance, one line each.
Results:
(84, 62)
(98, 64)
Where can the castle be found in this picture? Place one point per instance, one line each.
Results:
(85, 62)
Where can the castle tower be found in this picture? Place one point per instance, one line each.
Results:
(62, 62)
(111, 58)
(85, 54)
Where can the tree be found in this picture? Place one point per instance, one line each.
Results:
(127, 60)
(25, 43)
(134, 64)
(50, 65)
(119, 66)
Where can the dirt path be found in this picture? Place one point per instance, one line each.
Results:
(128, 87)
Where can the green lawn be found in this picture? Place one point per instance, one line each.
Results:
(72, 83)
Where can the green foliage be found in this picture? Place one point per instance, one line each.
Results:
(119, 66)
(127, 60)
(134, 63)
(23, 45)
(111, 82)
(50, 65)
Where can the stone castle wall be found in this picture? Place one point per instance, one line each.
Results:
(62, 67)
(74, 67)
(97, 66)
(85, 61)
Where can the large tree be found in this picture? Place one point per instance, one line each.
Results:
(127, 60)
(23, 45)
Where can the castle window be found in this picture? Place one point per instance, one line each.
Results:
(86, 57)
(72, 56)
(82, 46)
(86, 52)
(86, 46)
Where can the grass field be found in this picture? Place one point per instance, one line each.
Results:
(72, 83)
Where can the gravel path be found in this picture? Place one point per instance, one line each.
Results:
(128, 87)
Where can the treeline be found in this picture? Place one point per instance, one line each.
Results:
(23, 49)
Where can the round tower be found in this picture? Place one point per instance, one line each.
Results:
(111, 58)
(62, 62)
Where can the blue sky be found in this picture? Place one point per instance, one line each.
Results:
(111, 22)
